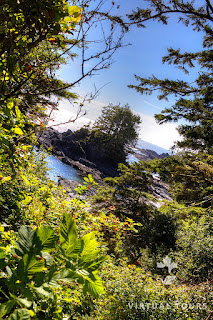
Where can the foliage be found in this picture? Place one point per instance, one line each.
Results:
(132, 293)
(120, 123)
(126, 284)
(108, 146)
(31, 274)
(190, 177)
(29, 59)
(194, 250)
(46, 270)
(130, 196)
(197, 15)
(31, 195)
(35, 39)
(130, 190)
(117, 127)
(111, 137)
(194, 104)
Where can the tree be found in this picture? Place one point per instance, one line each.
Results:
(120, 123)
(190, 177)
(194, 102)
(35, 39)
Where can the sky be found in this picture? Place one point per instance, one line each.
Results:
(144, 58)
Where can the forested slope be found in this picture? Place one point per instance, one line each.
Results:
(114, 256)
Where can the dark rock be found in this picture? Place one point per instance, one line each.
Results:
(70, 187)
(160, 190)
(87, 163)
(71, 147)
(68, 184)
(146, 154)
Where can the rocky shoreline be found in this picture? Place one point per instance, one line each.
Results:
(67, 147)
(70, 149)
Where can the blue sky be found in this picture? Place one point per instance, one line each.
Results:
(143, 57)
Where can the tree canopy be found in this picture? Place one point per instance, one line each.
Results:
(46, 270)
(35, 39)
(194, 100)
(120, 123)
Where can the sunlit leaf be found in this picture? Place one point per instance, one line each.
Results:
(47, 237)
(20, 314)
(18, 131)
(6, 307)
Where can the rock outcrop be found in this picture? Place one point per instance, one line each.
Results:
(70, 148)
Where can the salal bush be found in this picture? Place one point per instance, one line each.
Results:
(135, 294)
(37, 262)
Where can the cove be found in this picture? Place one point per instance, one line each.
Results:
(58, 168)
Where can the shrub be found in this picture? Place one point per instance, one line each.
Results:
(38, 262)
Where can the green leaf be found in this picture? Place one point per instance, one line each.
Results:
(93, 285)
(25, 240)
(45, 291)
(91, 265)
(75, 249)
(90, 245)
(22, 301)
(20, 314)
(24, 290)
(47, 237)
(32, 264)
(2, 253)
(64, 275)
(48, 258)
(6, 307)
(67, 231)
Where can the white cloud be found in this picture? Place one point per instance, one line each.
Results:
(62, 120)
(162, 135)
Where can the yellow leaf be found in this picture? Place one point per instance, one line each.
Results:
(10, 105)
(18, 131)
(7, 178)
(75, 12)
(25, 179)
(27, 200)
(18, 113)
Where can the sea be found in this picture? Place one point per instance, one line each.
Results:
(59, 169)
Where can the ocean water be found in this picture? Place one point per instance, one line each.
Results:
(58, 168)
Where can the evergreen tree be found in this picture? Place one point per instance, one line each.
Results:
(120, 123)
(194, 103)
